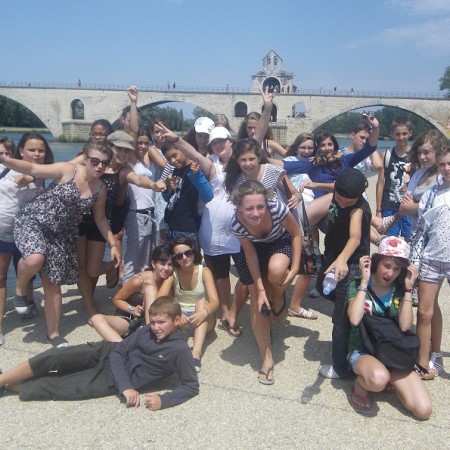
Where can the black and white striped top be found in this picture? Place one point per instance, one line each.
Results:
(278, 210)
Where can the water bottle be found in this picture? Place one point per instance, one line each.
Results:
(329, 283)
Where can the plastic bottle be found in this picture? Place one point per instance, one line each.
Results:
(329, 283)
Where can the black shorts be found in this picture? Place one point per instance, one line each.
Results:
(72, 373)
(265, 251)
(220, 264)
(89, 229)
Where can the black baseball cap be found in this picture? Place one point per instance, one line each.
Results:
(350, 183)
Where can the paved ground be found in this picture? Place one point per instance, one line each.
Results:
(301, 410)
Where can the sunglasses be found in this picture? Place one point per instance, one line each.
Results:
(187, 253)
(95, 161)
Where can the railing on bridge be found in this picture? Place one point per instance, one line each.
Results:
(224, 90)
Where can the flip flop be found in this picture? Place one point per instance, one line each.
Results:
(112, 282)
(225, 326)
(359, 401)
(266, 380)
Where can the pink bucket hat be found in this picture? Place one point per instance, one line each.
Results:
(394, 246)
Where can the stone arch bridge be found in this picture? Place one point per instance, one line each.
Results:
(55, 106)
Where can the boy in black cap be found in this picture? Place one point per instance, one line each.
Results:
(347, 239)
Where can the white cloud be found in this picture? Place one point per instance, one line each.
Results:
(432, 37)
(427, 7)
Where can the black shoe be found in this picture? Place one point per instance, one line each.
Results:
(21, 304)
(32, 312)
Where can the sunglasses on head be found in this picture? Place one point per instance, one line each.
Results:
(96, 161)
(187, 253)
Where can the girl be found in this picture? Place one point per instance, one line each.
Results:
(140, 220)
(269, 260)
(302, 147)
(198, 135)
(216, 239)
(134, 299)
(269, 146)
(46, 229)
(193, 287)
(15, 191)
(91, 246)
(435, 267)
(389, 276)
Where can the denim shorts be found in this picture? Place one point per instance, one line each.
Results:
(434, 271)
(191, 326)
(354, 356)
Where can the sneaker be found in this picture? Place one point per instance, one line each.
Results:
(197, 365)
(32, 312)
(314, 293)
(57, 342)
(21, 304)
(327, 371)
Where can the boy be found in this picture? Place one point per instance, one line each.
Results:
(106, 368)
(187, 185)
(393, 178)
(346, 240)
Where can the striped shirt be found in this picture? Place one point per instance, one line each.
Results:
(278, 210)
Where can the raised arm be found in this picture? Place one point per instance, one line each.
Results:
(263, 122)
(133, 94)
(206, 165)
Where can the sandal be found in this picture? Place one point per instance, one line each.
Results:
(266, 380)
(280, 311)
(111, 282)
(359, 401)
(423, 373)
(388, 222)
(303, 313)
(433, 366)
(232, 331)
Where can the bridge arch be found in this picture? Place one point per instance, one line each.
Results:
(240, 109)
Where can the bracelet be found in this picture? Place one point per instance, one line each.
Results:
(176, 140)
(362, 288)
(408, 290)
(379, 210)
(130, 309)
(409, 301)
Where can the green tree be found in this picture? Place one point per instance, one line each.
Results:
(445, 82)
(200, 112)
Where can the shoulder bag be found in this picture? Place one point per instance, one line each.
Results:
(383, 339)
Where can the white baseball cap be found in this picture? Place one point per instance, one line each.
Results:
(219, 133)
(203, 125)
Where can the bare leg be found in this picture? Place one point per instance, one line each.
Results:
(12, 378)
(427, 296)
(27, 268)
(202, 330)
(277, 272)
(110, 328)
(223, 286)
(261, 331)
(52, 305)
(412, 392)
(239, 298)
(295, 308)
(318, 208)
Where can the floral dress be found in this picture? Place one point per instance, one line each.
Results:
(49, 225)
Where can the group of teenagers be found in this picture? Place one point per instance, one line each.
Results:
(224, 199)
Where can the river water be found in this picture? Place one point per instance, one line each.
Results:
(64, 151)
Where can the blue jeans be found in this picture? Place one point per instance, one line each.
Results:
(402, 228)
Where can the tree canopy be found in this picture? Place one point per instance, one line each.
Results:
(445, 82)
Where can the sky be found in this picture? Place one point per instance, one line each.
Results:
(384, 45)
